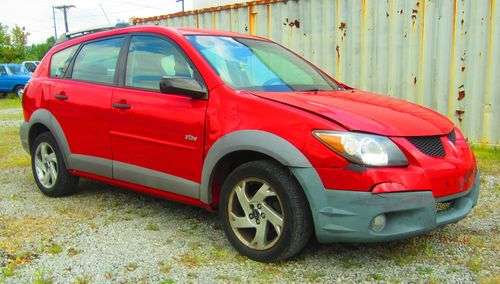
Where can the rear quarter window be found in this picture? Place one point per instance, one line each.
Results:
(60, 61)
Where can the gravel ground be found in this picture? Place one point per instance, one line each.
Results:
(106, 234)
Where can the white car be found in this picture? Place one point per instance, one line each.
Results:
(30, 65)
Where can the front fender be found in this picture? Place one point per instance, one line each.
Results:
(249, 140)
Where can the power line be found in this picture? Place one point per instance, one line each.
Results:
(100, 5)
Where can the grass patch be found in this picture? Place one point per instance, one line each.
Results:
(409, 250)
(11, 153)
(190, 260)
(488, 160)
(10, 102)
(33, 233)
(11, 116)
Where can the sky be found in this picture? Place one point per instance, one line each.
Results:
(36, 15)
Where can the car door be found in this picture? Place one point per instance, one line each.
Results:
(4, 80)
(80, 101)
(157, 139)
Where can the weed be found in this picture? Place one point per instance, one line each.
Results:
(131, 266)
(377, 276)
(190, 260)
(41, 278)
(152, 227)
(424, 270)
(83, 280)
(167, 281)
(165, 268)
(475, 263)
(314, 276)
(54, 249)
(73, 252)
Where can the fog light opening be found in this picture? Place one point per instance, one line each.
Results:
(378, 223)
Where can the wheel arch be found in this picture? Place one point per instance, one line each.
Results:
(16, 86)
(42, 121)
(238, 147)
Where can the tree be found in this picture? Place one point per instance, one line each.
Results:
(38, 51)
(14, 48)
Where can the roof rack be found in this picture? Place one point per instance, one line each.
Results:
(74, 34)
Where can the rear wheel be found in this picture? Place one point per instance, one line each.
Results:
(49, 169)
(264, 211)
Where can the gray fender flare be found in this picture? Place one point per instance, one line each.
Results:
(46, 118)
(249, 140)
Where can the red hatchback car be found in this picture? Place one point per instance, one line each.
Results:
(241, 124)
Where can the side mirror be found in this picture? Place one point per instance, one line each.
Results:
(183, 86)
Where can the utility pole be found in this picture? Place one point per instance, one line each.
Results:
(65, 9)
(182, 4)
(54, 18)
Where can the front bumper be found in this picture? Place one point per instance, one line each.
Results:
(346, 216)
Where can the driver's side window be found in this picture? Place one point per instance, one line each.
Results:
(151, 58)
(3, 72)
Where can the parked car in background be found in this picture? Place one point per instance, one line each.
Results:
(30, 65)
(13, 78)
(242, 125)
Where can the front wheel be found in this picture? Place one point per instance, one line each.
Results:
(264, 211)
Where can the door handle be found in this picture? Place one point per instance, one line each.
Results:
(61, 97)
(121, 105)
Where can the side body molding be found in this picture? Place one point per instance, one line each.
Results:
(95, 165)
(249, 140)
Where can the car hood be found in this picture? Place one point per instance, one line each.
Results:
(361, 111)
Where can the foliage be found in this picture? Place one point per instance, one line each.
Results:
(14, 45)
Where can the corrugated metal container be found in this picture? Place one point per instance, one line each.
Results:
(443, 54)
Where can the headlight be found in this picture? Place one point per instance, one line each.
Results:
(365, 149)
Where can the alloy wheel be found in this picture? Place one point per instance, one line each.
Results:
(255, 213)
(46, 165)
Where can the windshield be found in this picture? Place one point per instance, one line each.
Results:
(256, 65)
(17, 69)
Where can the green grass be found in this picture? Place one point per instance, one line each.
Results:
(11, 101)
(488, 160)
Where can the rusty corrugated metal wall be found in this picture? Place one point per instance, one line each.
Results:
(443, 54)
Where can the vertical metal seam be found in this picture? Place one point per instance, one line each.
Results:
(420, 80)
(338, 46)
(489, 71)
(363, 44)
(231, 20)
(268, 21)
(452, 64)
(214, 19)
(389, 62)
(251, 19)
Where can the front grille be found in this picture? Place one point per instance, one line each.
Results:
(429, 145)
(452, 137)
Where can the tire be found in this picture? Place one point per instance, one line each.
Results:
(48, 167)
(19, 90)
(264, 212)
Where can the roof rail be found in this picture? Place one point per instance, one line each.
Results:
(74, 34)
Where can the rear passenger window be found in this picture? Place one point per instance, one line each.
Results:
(151, 58)
(60, 61)
(96, 61)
